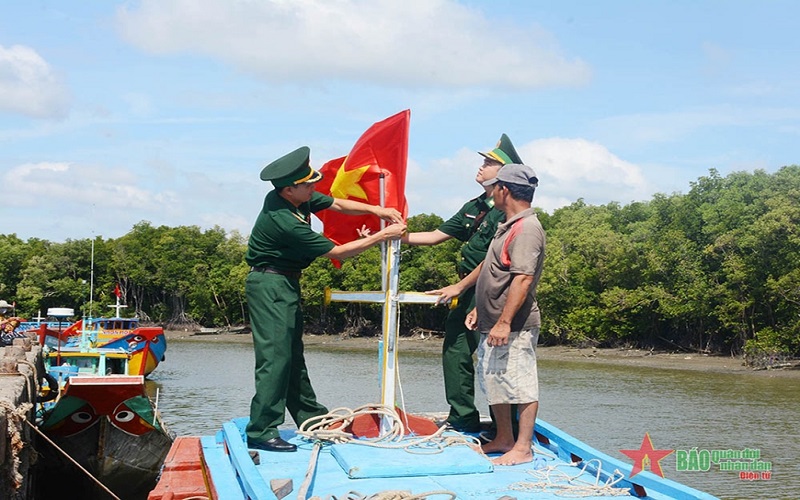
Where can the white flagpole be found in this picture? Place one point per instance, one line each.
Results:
(382, 188)
(390, 284)
(391, 314)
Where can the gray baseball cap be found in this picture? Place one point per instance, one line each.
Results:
(515, 173)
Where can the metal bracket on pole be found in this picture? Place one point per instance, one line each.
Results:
(380, 297)
(391, 299)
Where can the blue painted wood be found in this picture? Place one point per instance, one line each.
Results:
(331, 476)
(252, 482)
(366, 462)
(219, 467)
(567, 446)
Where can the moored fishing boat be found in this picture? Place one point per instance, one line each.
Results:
(146, 345)
(97, 418)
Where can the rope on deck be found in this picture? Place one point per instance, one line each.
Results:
(392, 495)
(329, 428)
(550, 479)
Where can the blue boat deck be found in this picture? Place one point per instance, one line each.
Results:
(562, 467)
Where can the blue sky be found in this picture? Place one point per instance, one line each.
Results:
(166, 110)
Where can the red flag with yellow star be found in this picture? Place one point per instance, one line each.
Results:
(381, 150)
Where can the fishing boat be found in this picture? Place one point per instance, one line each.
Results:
(146, 345)
(443, 465)
(380, 452)
(103, 432)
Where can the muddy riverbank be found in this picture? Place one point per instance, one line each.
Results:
(433, 344)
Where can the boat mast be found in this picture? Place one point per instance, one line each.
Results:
(84, 345)
(91, 281)
(116, 307)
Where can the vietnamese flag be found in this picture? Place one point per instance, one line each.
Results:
(73, 329)
(117, 291)
(381, 150)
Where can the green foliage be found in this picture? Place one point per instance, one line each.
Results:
(714, 270)
(770, 348)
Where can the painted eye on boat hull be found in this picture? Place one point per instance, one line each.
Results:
(82, 417)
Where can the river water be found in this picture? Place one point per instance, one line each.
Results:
(698, 414)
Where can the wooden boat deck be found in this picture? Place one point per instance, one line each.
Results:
(562, 467)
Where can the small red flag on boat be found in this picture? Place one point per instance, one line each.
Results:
(73, 329)
(381, 151)
(117, 292)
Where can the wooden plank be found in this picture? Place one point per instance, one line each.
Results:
(252, 482)
(221, 475)
(182, 476)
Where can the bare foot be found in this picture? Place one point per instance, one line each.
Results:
(497, 446)
(514, 457)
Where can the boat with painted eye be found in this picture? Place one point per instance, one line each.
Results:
(100, 425)
(146, 345)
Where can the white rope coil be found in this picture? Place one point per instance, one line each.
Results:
(330, 428)
(558, 482)
(391, 495)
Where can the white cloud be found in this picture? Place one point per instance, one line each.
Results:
(428, 43)
(73, 184)
(568, 169)
(444, 186)
(68, 200)
(28, 85)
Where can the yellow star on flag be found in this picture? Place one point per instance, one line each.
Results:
(345, 185)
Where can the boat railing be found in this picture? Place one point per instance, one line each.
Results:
(33, 325)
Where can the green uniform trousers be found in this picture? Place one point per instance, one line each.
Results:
(458, 347)
(281, 376)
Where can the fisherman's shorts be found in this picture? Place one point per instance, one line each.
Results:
(508, 374)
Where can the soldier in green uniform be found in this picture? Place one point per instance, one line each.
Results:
(281, 245)
(474, 224)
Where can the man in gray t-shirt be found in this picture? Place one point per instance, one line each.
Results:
(507, 315)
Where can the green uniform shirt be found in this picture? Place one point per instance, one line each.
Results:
(462, 226)
(282, 236)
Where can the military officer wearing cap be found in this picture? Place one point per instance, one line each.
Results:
(474, 224)
(282, 244)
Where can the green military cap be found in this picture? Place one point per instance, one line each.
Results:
(503, 152)
(291, 169)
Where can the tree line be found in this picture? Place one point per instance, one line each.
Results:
(714, 270)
